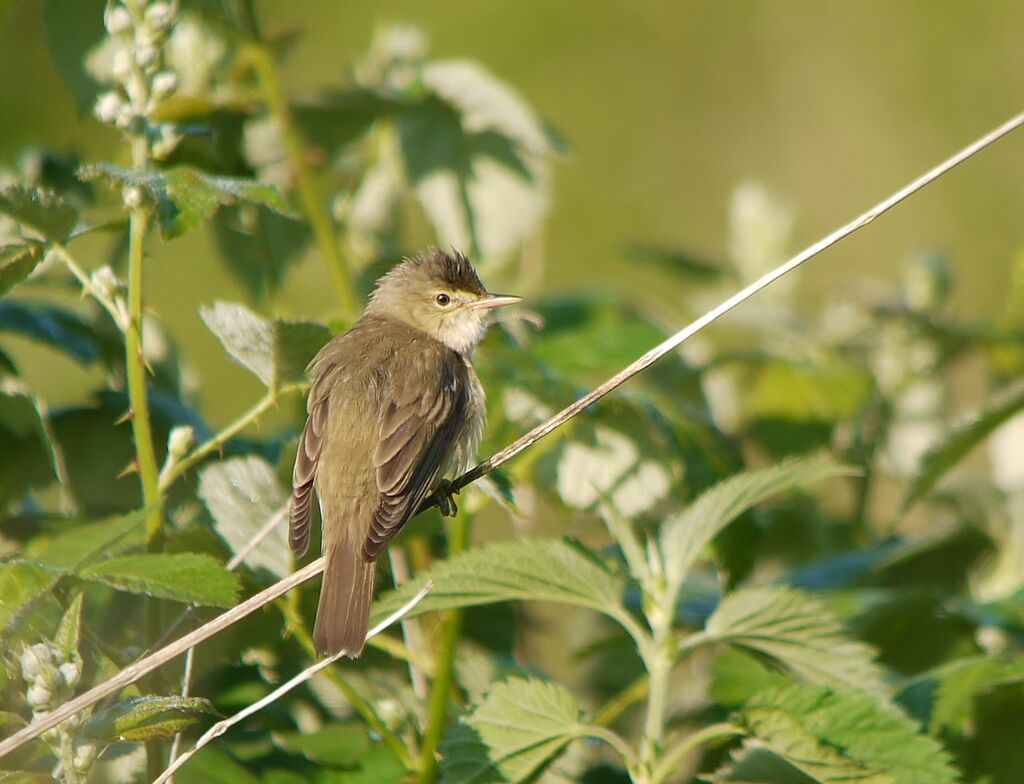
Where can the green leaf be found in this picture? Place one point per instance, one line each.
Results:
(82, 543)
(185, 198)
(806, 762)
(242, 494)
(43, 211)
(24, 777)
(844, 736)
(685, 535)
(212, 765)
(529, 569)
(339, 745)
(151, 717)
(799, 633)
(59, 328)
(277, 352)
(943, 456)
(26, 454)
(800, 391)
(184, 577)
(17, 263)
(520, 726)
(21, 583)
(70, 629)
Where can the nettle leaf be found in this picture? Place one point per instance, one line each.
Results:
(551, 570)
(798, 632)
(17, 262)
(962, 439)
(684, 536)
(520, 726)
(21, 583)
(151, 717)
(42, 210)
(476, 155)
(195, 578)
(242, 494)
(185, 198)
(844, 736)
(277, 352)
(81, 543)
(944, 698)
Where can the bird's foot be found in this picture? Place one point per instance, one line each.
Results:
(444, 496)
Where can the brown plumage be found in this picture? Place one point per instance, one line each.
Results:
(394, 405)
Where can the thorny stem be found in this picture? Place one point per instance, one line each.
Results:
(440, 692)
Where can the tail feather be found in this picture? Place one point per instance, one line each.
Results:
(343, 616)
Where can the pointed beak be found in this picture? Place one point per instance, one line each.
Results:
(496, 301)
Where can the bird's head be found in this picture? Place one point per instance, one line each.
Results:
(438, 293)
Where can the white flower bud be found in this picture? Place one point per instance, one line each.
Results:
(133, 196)
(84, 756)
(117, 19)
(147, 56)
(160, 16)
(125, 118)
(165, 83)
(180, 441)
(35, 660)
(167, 139)
(105, 281)
(121, 64)
(71, 672)
(38, 695)
(108, 107)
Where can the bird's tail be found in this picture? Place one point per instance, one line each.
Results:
(343, 615)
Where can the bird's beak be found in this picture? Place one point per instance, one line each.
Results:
(496, 301)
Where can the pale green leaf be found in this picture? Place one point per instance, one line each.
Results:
(24, 777)
(801, 391)
(518, 728)
(798, 632)
(82, 543)
(70, 629)
(842, 736)
(184, 197)
(242, 494)
(528, 569)
(146, 718)
(44, 211)
(962, 439)
(17, 262)
(185, 577)
(275, 351)
(684, 536)
(21, 583)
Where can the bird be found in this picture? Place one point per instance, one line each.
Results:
(394, 408)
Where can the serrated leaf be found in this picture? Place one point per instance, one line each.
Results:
(44, 211)
(845, 736)
(798, 632)
(685, 535)
(276, 352)
(195, 578)
(151, 717)
(185, 197)
(518, 728)
(962, 439)
(83, 543)
(21, 583)
(529, 569)
(17, 263)
(70, 629)
(242, 494)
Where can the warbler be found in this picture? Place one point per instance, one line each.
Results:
(395, 405)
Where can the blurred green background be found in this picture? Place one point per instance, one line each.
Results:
(667, 107)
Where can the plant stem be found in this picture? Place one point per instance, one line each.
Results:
(313, 201)
(674, 755)
(622, 701)
(440, 692)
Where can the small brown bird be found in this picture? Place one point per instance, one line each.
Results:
(394, 405)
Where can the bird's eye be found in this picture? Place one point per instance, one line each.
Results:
(443, 300)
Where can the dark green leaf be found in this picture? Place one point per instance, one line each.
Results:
(185, 577)
(517, 729)
(26, 455)
(212, 765)
(942, 457)
(277, 352)
(185, 197)
(44, 211)
(686, 265)
(151, 717)
(242, 494)
(538, 569)
(57, 327)
(799, 633)
(339, 745)
(17, 263)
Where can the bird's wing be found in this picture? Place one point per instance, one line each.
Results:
(417, 437)
(306, 460)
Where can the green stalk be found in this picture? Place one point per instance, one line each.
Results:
(440, 691)
(313, 201)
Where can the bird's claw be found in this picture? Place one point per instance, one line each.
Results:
(444, 495)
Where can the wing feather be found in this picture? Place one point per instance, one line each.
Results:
(307, 459)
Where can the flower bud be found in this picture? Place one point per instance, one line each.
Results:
(71, 672)
(160, 16)
(35, 660)
(133, 196)
(180, 441)
(147, 56)
(39, 695)
(108, 107)
(121, 64)
(165, 83)
(117, 19)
